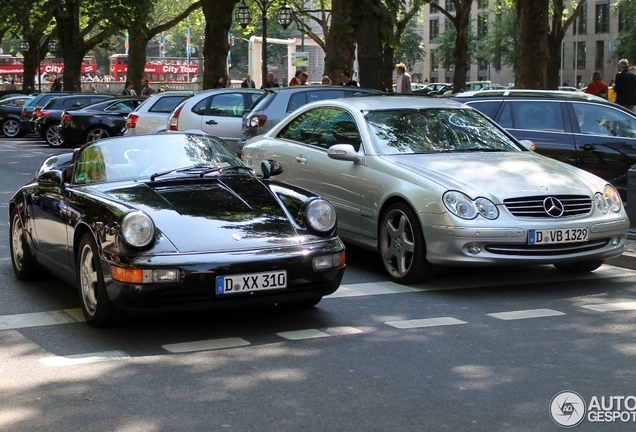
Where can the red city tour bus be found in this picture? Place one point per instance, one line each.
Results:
(11, 65)
(162, 69)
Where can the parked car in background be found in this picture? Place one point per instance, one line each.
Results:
(572, 127)
(173, 222)
(46, 120)
(277, 103)
(97, 120)
(217, 112)
(428, 181)
(153, 114)
(10, 111)
(433, 89)
(38, 102)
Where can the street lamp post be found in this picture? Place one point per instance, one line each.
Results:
(24, 46)
(244, 16)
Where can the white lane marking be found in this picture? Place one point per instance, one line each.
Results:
(36, 319)
(425, 322)
(78, 359)
(205, 345)
(611, 307)
(525, 314)
(535, 275)
(319, 333)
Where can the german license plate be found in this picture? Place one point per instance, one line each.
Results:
(242, 283)
(555, 236)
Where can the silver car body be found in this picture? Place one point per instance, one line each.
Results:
(362, 184)
(217, 112)
(153, 114)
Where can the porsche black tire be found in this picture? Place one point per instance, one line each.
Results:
(52, 136)
(402, 246)
(11, 128)
(579, 267)
(97, 308)
(24, 265)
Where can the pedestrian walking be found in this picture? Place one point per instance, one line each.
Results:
(271, 82)
(345, 78)
(247, 82)
(597, 87)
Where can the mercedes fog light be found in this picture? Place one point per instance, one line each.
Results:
(616, 241)
(473, 249)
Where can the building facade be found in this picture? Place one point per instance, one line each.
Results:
(589, 45)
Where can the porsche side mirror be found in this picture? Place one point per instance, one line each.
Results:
(54, 178)
(344, 152)
(528, 145)
(270, 167)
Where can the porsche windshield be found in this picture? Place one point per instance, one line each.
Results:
(145, 156)
(408, 131)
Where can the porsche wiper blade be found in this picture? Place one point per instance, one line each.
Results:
(224, 169)
(179, 170)
(477, 149)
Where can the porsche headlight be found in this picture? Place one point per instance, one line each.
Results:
(608, 200)
(320, 215)
(463, 206)
(137, 229)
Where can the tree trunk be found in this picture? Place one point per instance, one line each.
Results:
(460, 55)
(532, 61)
(340, 41)
(137, 41)
(68, 29)
(218, 19)
(367, 32)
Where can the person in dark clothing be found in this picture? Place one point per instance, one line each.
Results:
(346, 79)
(271, 82)
(625, 85)
(128, 89)
(248, 83)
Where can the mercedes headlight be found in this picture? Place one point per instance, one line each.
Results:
(137, 229)
(608, 200)
(463, 206)
(320, 215)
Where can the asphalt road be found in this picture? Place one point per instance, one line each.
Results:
(473, 350)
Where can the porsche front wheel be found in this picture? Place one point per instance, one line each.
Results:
(24, 265)
(402, 246)
(96, 306)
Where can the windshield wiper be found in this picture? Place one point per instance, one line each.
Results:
(179, 170)
(477, 149)
(224, 169)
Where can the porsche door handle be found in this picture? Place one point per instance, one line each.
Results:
(301, 159)
(211, 122)
(588, 147)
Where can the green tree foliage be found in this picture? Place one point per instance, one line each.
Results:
(499, 46)
(626, 10)
(410, 49)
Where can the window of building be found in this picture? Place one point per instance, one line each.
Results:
(483, 64)
(433, 28)
(433, 9)
(450, 6)
(599, 62)
(580, 24)
(482, 4)
(434, 66)
(602, 16)
(482, 24)
(580, 50)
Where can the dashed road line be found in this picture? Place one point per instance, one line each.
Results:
(318, 333)
(66, 316)
(425, 322)
(205, 345)
(78, 359)
(612, 307)
(525, 314)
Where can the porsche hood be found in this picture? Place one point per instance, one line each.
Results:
(234, 214)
